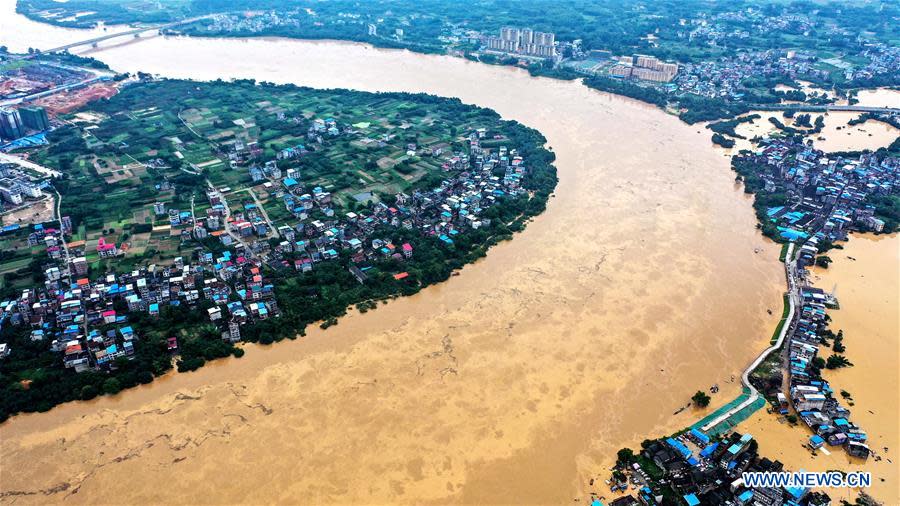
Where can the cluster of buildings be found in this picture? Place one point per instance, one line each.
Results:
(17, 187)
(734, 26)
(294, 19)
(884, 60)
(724, 77)
(637, 67)
(522, 42)
(643, 67)
(86, 320)
(811, 396)
(827, 196)
(475, 181)
(693, 469)
(720, 78)
(256, 23)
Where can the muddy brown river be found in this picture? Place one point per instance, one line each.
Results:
(514, 382)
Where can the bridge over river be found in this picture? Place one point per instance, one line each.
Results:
(136, 32)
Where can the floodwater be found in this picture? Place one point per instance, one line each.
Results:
(806, 87)
(514, 382)
(879, 97)
(836, 135)
(866, 275)
(869, 135)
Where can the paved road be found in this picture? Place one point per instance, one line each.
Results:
(62, 237)
(237, 238)
(262, 210)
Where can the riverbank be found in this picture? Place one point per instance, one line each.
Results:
(687, 105)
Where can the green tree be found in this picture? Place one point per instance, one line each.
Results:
(837, 361)
(818, 363)
(145, 377)
(625, 456)
(88, 392)
(112, 386)
(701, 399)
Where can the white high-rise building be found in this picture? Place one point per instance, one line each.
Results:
(523, 41)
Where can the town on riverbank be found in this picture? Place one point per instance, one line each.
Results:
(811, 201)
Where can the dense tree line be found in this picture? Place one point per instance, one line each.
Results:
(723, 141)
(621, 87)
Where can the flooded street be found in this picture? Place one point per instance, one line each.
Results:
(514, 382)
